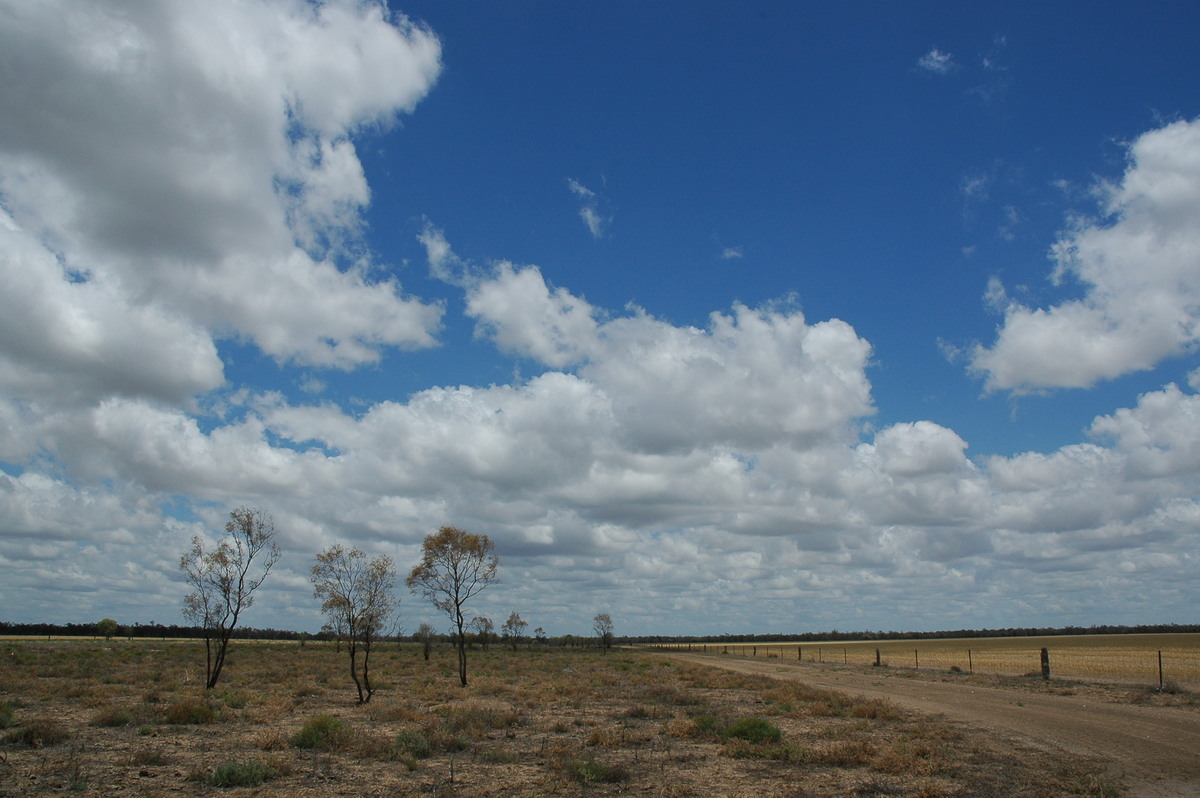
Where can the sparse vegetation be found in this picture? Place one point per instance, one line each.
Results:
(250, 773)
(538, 721)
(324, 731)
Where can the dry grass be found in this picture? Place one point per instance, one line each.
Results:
(129, 718)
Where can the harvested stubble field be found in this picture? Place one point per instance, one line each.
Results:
(130, 718)
(1126, 658)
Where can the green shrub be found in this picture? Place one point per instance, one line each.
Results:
(250, 773)
(38, 732)
(234, 700)
(190, 709)
(8, 715)
(590, 771)
(113, 717)
(413, 743)
(706, 725)
(754, 730)
(323, 731)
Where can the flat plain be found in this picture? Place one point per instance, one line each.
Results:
(126, 718)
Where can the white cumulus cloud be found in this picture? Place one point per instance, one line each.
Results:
(1139, 271)
(193, 163)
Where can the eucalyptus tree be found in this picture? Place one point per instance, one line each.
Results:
(223, 581)
(603, 626)
(455, 566)
(357, 596)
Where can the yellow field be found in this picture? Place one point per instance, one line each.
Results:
(1117, 658)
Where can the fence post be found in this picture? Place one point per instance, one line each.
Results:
(877, 663)
(755, 654)
(800, 653)
(916, 659)
(970, 662)
(1161, 683)
(1045, 663)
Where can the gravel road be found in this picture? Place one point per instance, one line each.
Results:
(1156, 748)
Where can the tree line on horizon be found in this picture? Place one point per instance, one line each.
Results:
(152, 629)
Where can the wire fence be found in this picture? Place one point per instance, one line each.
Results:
(1162, 666)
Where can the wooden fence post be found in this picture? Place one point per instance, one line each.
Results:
(877, 663)
(970, 662)
(1045, 663)
(1161, 683)
(800, 653)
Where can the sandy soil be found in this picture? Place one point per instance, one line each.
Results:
(1155, 747)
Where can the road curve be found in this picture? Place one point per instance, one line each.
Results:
(1156, 748)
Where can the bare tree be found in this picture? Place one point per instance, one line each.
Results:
(603, 626)
(455, 565)
(514, 629)
(222, 582)
(484, 629)
(356, 596)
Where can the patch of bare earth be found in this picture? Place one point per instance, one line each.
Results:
(132, 720)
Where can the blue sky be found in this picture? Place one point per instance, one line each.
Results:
(716, 317)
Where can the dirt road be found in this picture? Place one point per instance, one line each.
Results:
(1156, 748)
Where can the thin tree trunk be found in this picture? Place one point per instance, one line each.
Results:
(352, 647)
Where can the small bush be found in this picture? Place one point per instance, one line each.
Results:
(190, 709)
(413, 743)
(38, 732)
(590, 771)
(705, 725)
(8, 716)
(754, 730)
(113, 717)
(250, 773)
(234, 700)
(324, 732)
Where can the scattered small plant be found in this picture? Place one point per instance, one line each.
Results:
(592, 771)
(8, 715)
(754, 730)
(113, 717)
(323, 732)
(190, 710)
(250, 773)
(413, 743)
(38, 732)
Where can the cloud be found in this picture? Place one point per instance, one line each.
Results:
(651, 469)
(937, 62)
(732, 253)
(1136, 267)
(589, 209)
(194, 166)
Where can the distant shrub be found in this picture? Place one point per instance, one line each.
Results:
(113, 717)
(754, 730)
(250, 773)
(190, 709)
(8, 715)
(705, 724)
(591, 771)
(413, 743)
(323, 731)
(38, 732)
